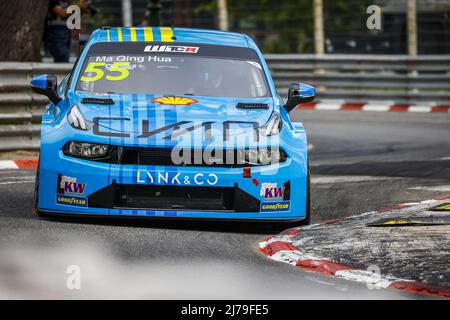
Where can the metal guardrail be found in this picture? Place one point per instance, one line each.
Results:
(363, 78)
(352, 78)
(19, 108)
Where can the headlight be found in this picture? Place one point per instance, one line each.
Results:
(86, 150)
(273, 126)
(264, 156)
(77, 120)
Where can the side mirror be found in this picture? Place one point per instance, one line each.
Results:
(299, 93)
(46, 85)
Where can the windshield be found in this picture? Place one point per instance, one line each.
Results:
(201, 70)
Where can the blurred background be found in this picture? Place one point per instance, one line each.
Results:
(360, 161)
(287, 26)
(283, 26)
(404, 61)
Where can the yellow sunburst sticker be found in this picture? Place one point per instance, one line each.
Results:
(181, 101)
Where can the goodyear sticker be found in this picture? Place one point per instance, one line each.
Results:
(71, 200)
(441, 207)
(275, 206)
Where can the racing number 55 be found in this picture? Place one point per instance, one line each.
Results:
(98, 69)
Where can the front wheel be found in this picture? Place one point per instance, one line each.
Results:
(36, 191)
(307, 219)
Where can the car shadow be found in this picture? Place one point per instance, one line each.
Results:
(234, 226)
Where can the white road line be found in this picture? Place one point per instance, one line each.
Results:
(16, 182)
(8, 164)
(419, 108)
(443, 188)
(5, 172)
(328, 106)
(376, 107)
(16, 178)
(371, 279)
(341, 179)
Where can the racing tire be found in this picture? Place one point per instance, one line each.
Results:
(307, 219)
(36, 192)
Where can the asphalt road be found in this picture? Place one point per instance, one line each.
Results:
(361, 161)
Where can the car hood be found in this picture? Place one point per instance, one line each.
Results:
(137, 113)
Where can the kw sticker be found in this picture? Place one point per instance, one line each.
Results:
(69, 192)
(180, 101)
(278, 206)
(70, 186)
(270, 191)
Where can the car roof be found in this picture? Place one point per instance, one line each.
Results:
(166, 34)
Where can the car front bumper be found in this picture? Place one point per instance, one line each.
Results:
(79, 187)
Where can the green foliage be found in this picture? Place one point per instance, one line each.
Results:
(344, 16)
(278, 27)
(98, 20)
(281, 26)
(287, 26)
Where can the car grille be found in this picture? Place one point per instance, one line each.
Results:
(192, 158)
(174, 198)
(179, 198)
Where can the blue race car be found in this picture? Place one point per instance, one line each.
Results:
(171, 123)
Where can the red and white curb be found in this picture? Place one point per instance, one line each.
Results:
(381, 106)
(18, 164)
(281, 248)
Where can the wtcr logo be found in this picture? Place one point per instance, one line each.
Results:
(180, 49)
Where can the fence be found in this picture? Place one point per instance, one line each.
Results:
(352, 78)
(362, 78)
(20, 110)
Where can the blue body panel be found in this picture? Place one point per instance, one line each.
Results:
(131, 110)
